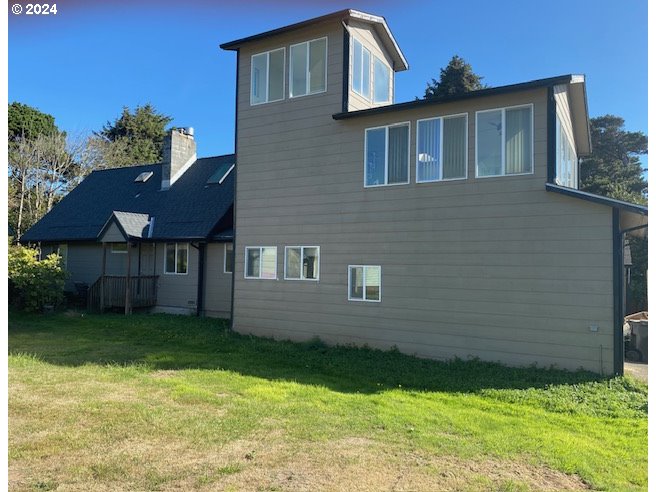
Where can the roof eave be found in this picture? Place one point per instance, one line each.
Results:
(602, 200)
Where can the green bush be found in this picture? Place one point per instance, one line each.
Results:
(36, 283)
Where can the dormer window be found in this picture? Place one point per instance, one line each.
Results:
(307, 67)
(371, 76)
(361, 81)
(381, 82)
(268, 76)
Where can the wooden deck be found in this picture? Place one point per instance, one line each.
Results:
(109, 291)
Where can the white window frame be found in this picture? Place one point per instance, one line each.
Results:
(364, 283)
(186, 246)
(503, 140)
(560, 133)
(266, 84)
(387, 127)
(441, 161)
(318, 248)
(362, 71)
(390, 81)
(261, 248)
(307, 72)
(225, 257)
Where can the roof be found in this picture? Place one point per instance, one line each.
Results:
(190, 209)
(132, 226)
(378, 23)
(603, 200)
(493, 91)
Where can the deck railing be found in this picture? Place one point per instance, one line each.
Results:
(109, 292)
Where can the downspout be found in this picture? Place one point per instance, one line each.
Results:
(345, 68)
(618, 288)
(234, 206)
(200, 288)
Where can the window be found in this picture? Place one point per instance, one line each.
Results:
(307, 67)
(221, 173)
(381, 82)
(361, 81)
(176, 258)
(504, 141)
(228, 258)
(261, 262)
(119, 247)
(143, 177)
(387, 156)
(566, 160)
(442, 148)
(268, 76)
(364, 283)
(302, 263)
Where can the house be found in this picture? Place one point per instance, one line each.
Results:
(450, 227)
(157, 236)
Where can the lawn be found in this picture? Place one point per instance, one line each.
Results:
(165, 402)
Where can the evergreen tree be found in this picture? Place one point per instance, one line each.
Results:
(458, 77)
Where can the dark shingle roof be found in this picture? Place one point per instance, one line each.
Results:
(189, 209)
(131, 225)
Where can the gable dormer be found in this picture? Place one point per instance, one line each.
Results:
(346, 59)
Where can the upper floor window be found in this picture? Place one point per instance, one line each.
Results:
(442, 148)
(381, 81)
(307, 68)
(268, 76)
(504, 141)
(176, 258)
(302, 263)
(566, 161)
(387, 155)
(361, 81)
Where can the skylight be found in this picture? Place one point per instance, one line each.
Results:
(221, 173)
(143, 177)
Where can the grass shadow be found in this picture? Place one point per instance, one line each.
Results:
(175, 342)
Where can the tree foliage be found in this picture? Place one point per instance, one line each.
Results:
(36, 283)
(456, 78)
(26, 122)
(137, 137)
(614, 168)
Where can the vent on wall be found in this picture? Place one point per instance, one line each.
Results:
(143, 177)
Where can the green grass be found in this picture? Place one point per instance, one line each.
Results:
(160, 402)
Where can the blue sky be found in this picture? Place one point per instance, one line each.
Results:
(92, 58)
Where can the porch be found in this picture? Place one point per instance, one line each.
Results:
(120, 291)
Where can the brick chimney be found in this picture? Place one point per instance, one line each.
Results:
(179, 153)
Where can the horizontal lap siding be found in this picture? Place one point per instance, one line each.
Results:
(217, 283)
(495, 268)
(84, 263)
(177, 293)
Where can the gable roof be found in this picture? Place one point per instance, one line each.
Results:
(377, 22)
(189, 210)
(131, 225)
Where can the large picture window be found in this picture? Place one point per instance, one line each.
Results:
(364, 283)
(176, 258)
(442, 148)
(307, 67)
(567, 169)
(504, 141)
(302, 263)
(261, 262)
(268, 76)
(387, 156)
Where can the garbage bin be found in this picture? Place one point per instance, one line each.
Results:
(639, 330)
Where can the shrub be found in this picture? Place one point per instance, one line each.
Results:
(36, 283)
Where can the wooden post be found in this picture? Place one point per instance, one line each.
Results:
(128, 306)
(102, 278)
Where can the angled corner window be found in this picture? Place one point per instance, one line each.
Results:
(361, 78)
(382, 73)
(302, 263)
(261, 262)
(175, 258)
(387, 158)
(228, 258)
(504, 141)
(364, 283)
(567, 168)
(307, 67)
(442, 148)
(268, 76)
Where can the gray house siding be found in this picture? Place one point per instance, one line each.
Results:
(494, 268)
(177, 293)
(218, 284)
